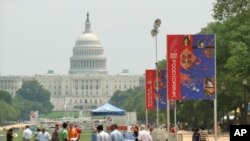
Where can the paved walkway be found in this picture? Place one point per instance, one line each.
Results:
(211, 138)
(187, 136)
(20, 125)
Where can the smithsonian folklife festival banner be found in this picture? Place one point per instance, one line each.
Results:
(191, 67)
(151, 94)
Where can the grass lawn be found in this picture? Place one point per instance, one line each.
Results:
(85, 136)
(60, 114)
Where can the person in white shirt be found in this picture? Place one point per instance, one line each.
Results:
(101, 135)
(144, 135)
(43, 135)
(27, 134)
(116, 135)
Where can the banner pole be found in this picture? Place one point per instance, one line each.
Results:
(168, 107)
(175, 125)
(146, 118)
(215, 99)
(168, 116)
(215, 119)
(157, 85)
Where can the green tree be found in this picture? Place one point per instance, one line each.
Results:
(5, 96)
(26, 106)
(7, 112)
(131, 100)
(226, 9)
(233, 41)
(239, 53)
(31, 97)
(162, 64)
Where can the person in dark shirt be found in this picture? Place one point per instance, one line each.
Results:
(196, 135)
(136, 132)
(10, 135)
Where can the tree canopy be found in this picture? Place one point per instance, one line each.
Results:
(5, 96)
(32, 97)
(7, 112)
(226, 9)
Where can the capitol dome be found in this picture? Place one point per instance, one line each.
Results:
(88, 39)
(88, 57)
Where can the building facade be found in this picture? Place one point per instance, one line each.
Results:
(88, 85)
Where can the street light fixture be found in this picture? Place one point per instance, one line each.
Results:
(244, 82)
(154, 33)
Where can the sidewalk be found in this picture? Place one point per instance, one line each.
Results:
(20, 125)
(187, 136)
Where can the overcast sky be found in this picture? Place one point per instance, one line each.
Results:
(39, 35)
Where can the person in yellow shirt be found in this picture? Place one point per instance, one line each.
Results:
(72, 133)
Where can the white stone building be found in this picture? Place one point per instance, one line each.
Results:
(10, 84)
(88, 84)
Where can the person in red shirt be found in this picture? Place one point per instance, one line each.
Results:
(172, 129)
(79, 131)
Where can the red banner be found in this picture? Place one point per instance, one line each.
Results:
(150, 96)
(173, 67)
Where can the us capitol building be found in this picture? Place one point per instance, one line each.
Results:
(88, 85)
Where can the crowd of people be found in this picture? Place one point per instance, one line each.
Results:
(68, 132)
(200, 135)
(140, 134)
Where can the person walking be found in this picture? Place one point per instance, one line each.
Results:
(135, 132)
(115, 134)
(55, 133)
(63, 134)
(102, 135)
(196, 135)
(9, 135)
(144, 135)
(27, 133)
(78, 130)
(72, 133)
(43, 135)
(203, 135)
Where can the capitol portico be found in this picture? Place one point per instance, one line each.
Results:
(88, 85)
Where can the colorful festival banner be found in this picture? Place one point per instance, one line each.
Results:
(191, 67)
(151, 93)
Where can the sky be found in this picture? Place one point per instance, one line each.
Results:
(39, 35)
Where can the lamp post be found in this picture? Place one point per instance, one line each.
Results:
(244, 82)
(154, 33)
(223, 87)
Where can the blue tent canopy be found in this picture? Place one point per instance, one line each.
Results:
(108, 109)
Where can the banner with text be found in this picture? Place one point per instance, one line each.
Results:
(191, 66)
(151, 93)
